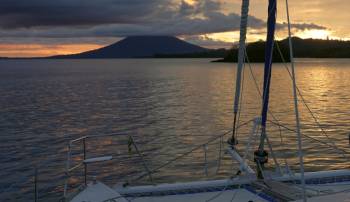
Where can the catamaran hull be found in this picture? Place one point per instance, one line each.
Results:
(320, 186)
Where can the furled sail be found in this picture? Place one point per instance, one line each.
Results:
(241, 56)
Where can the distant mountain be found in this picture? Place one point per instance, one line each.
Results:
(303, 48)
(140, 47)
(210, 53)
(172, 47)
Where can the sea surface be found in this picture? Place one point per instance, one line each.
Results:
(168, 107)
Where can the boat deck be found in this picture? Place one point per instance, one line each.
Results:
(321, 186)
(228, 195)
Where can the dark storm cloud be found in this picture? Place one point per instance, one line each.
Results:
(118, 18)
(33, 13)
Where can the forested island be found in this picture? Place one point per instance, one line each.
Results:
(302, 48)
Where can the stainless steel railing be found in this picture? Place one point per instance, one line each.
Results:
(85, 161)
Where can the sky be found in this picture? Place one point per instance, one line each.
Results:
(31, 28)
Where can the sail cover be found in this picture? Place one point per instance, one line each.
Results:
(271, 25)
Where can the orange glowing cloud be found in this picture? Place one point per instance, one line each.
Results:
(42, 50)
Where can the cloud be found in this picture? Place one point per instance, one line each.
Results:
(120, 18)
(36, 13)
(300, 26)
(208, 42)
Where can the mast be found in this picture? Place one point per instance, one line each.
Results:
(261, 156)
(241, 56)
(297, 120)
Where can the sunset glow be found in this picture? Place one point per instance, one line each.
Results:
(315, 34)
(230, 38)
(25, 32)
(191, 2)
(42, 50)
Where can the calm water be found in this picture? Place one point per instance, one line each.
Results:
(168, 106)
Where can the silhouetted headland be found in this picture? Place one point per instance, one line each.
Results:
(303, 48)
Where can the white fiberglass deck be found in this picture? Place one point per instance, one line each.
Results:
(98, 192)
(229, 195)
(322, 186)
(240, 195)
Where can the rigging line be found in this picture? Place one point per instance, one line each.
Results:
(312, 138)
(220, 193)
(266, 86)
(143, 160)
(251, 137)
(297, 119)
(269, 112)
(256, 139)
(305, 103)
(272, 153)
(249, 155)
(235, 194)
(241, 101)
(309, 109)
(259, 92)
(208, 142)
(260, 169)
(224, 189)
(189, 152)
(256, 85)
(220, 155)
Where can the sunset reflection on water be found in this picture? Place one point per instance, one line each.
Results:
(168, 106)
